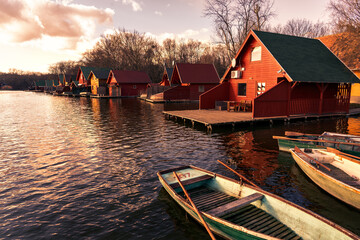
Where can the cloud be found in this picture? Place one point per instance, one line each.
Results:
(24, 21)
(135, 5)
(202, 35)
(158, 13)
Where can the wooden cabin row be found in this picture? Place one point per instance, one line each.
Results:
(271, 75)
(99, 82)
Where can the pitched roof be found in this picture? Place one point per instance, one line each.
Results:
(130, 76)
(197, 73)
(86, 71)
(306, 59)
(101, 73)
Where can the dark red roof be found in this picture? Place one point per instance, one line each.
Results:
(131, 76)
(197, 73)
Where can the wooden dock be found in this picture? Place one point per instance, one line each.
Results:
(216, 118)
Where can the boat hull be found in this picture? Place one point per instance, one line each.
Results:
(219, 228)
(331, 185)
(304, 223)
(286, 143)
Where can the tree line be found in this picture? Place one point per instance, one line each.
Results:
(232, 20)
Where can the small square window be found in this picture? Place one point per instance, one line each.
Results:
(201, 88)
(134, 86)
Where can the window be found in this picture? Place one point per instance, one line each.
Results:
(256, 54)
(201, 88)
(134, 86)
(260, 88)
(241, 89)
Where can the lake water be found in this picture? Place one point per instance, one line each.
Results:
(75, 168)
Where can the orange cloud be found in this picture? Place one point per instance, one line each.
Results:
(22, 20)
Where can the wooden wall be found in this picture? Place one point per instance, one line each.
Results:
(263, 71)
(218, 93)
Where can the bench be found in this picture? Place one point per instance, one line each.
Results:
(230, 207)
(191, 181)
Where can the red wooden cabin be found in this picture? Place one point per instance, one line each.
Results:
(83, 73)
(165, 81)
(283, 75)
(191, 80)
(127, 83)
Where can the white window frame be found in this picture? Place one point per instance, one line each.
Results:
(256, 54)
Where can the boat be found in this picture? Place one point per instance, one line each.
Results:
(236, 210)
(344, 142)
(336, 173)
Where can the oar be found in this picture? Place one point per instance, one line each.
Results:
(241, 176)
(192, 203)
(333, 150)
(311, 158)
(317, 140)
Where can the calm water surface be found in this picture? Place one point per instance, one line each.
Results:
(86, 168)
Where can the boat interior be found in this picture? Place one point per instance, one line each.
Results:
(336, 167)
(240, 211)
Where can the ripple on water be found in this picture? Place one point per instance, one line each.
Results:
(86, 168)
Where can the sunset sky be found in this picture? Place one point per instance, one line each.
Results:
(37, 33)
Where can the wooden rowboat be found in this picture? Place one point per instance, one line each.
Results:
(337, 174)
(240, 211)
(344, 142)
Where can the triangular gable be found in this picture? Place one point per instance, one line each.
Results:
(302, 59)
(165, 81)
(187, 73)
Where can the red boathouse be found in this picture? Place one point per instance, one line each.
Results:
(190, 81)
(127, 83)
(281, 75)
(165, 81)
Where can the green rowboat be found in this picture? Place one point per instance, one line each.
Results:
(240, 211)
(343, 142)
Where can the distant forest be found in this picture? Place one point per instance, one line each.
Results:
(19, 80)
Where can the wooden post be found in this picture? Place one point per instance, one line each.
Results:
(322, 89)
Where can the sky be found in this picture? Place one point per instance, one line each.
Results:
(37, 33)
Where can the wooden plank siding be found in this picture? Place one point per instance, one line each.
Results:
(263, 71)
(218, 93)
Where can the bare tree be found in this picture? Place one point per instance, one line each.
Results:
(346, 23)
(169, 50)
(303, 28)
(64, 67)
(127, 51)
(233, 19)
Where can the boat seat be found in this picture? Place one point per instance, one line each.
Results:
(191, 181)
(232, 206)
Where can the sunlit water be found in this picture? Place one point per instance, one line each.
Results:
(75, 168)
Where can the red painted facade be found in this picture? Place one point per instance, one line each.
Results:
(81, 79)
(191, 80)
(127, 83)
(165, 81)
(271, 91)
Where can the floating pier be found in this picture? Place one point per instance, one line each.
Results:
(216, 118)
